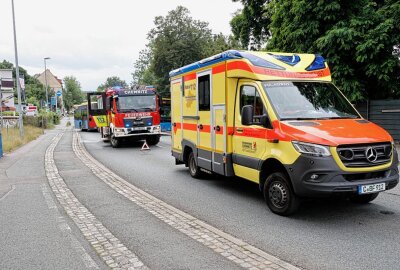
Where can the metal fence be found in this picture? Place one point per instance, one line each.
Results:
(385, 113)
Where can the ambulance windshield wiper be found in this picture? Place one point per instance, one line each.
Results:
(299, 118)
(319, 118)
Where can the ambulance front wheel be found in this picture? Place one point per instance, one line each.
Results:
(279, 195)
(194, 170)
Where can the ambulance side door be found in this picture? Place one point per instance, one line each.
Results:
(249, 141)
(176, 114)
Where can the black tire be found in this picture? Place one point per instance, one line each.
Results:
(279, 195)
(153, 140)
(114, 141)
(194, 170)
(364, 199)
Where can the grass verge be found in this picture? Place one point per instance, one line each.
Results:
(12, 140)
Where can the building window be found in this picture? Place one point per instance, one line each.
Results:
(204, 92)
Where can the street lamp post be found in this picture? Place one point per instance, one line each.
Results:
(21, 124)
(45, 79)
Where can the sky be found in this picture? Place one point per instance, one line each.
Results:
(93, 39)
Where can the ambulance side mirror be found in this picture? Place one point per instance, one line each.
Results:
(247, 115)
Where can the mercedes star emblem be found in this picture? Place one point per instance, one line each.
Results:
(371, 154)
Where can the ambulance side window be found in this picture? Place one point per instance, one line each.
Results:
(250, 96)
(204, 93)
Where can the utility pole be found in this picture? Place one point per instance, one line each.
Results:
(45, 79)
(21, 123)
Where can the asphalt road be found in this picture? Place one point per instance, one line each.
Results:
(323, 235)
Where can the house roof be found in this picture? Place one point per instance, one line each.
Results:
(52, 80)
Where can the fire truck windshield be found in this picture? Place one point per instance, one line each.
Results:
(137, 103)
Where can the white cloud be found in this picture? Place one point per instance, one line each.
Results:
(91, 39)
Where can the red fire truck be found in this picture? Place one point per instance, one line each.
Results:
(127, 114)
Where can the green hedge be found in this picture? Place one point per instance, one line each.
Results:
(10, 113)
(43, 120)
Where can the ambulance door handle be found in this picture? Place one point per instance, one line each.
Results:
(217, 128)
(200, 126)
(175, 124)
(239, 130)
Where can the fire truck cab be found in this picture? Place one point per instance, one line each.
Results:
(127, 114)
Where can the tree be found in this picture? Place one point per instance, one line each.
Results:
(176, 40)
(250, 25)
(34, 90)
(72, 93)
(142, 74)
(359, 39)
(110, 82)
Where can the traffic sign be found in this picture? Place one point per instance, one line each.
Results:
(59, 93)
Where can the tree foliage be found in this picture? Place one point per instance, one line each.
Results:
(34, 90)
(72, 93)
(250, 25)
(359, 38)
(110, 82)
(176, 40)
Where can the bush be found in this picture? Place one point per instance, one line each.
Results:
(10, 113)
(43, 120)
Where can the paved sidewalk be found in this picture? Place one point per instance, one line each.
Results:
(34, 233)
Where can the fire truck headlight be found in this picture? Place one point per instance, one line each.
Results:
(119, 131)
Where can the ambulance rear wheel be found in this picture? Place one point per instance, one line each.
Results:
(194, 170)
(279, 195)
(115, 142)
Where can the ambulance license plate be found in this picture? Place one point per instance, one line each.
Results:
(364, 189)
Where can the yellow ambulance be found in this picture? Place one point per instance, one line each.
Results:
(276, 119)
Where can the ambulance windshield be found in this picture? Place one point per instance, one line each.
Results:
(136, 103)
(308, 101)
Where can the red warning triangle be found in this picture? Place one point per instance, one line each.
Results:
(145, 146)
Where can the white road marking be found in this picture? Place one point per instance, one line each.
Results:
(5, 195)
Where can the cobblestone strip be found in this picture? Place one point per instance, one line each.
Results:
(109, 248)
(234, 249)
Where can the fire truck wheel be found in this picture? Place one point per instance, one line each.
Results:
(115, 142)
(364, 199)
(153, 140)
(194, 170)
(279, 195)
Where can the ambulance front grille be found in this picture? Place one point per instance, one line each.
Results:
(365, 155)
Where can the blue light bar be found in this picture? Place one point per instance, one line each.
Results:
(260, 62)
(318, 63)
(287, 59)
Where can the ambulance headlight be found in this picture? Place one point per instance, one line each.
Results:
(312, 149)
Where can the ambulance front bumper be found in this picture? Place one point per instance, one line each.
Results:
(137, 131)
(322, 177)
